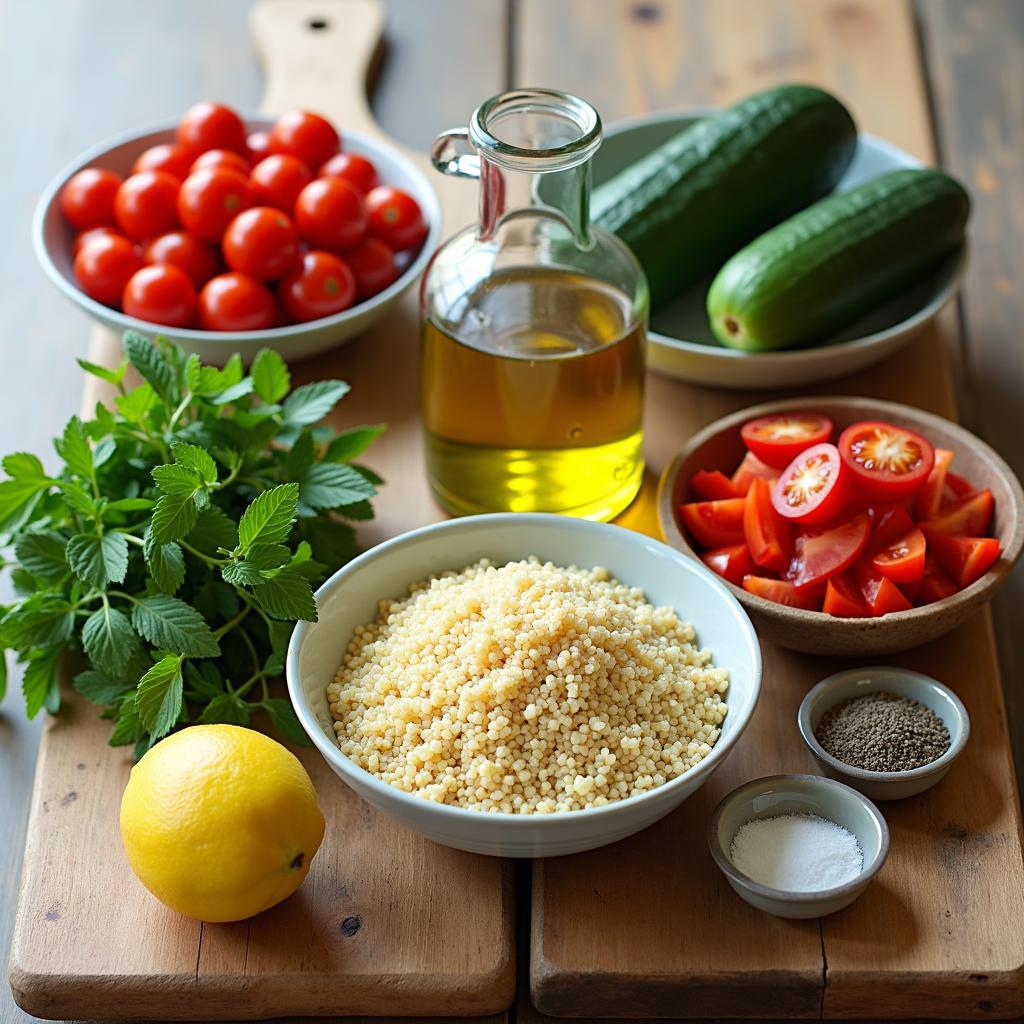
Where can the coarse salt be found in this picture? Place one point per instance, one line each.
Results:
(796, 852)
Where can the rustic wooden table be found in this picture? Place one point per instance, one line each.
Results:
(97, 77)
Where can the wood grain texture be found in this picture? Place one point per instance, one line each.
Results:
(649, 928)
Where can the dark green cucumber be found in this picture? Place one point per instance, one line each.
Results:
(691, 203)
(817, 272)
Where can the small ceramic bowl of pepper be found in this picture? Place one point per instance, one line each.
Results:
(900, 682)
(777, 795)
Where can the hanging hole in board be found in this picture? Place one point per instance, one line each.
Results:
(318, 24)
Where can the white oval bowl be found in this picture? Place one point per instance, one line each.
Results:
(350, 597)
(681, 343)
(52, 237)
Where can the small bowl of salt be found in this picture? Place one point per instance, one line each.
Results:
(798, 845)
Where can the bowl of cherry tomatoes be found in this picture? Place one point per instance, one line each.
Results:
(846, 526)
(231, 235)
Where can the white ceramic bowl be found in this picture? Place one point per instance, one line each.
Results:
(681, 342)
(52, 237)
(349, 599)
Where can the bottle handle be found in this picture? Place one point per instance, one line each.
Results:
(446, 156)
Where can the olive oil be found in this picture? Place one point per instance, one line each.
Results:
(532, 396)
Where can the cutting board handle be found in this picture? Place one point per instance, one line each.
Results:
(320, 55)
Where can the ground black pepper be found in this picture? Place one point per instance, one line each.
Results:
(883, 732)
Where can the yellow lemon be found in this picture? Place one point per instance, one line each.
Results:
(220, 822)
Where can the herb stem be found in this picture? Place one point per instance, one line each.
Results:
(230, 625)
(176, 415)
(208, 559)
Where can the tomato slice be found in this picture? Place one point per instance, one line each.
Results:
(930, 496)
(814, 487)
(902, 560)
(782, 592)
(888, 523)
(843, 598)
(965, 559)
(960, 486)
(935, 584)
(778, 440)
(731, 563)
(911, 589)
(750, 469)
(880, 593)
(969, 517)
(820, 552)
(712, 485)
(766, 532)
(887, 462)
(715, 524)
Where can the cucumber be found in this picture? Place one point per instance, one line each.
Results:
(815, 273)
(692, 202)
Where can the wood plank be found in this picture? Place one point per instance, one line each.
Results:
(649, 928)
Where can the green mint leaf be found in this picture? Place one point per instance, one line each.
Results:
(42, 554)
(203, 380)
(109, 641)
(312, 402)
(104, 421)
(328, 485)
(351, 443)
(234, 393)
(165, 562)
(213, 530)
(287, 596)
(98, 560)
(130, 505)
(39, 682)
(270, 376)
(74, 449)
(128, 728)
(233, 370)
(77, 499)
(242, 573)
(175, 479)
(274, 665)
(103, 452)
(18, 499)
(361, 511)
(24, 466)
(195, 458)
(40, 621)
(301, 455)
(160, 694)
(171, 624)
(269, 518)
(153, 367)
(216, 599)
(365, 471)
(204, 679)
(3, 674)
(24, 583)
(110, 376)
(226, 709)
(282, 714)
(136, 406)
(174, 515)
(100, 689)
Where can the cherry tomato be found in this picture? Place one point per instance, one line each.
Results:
(175, 160)
(320, 286)
(767, 534)
(970, 516)
(820, 552)
(843, 598)
(935, 584)
(965, 559)
(308, 136)
(278, 180)
(731, 563)
(715, 524)
(146, 204)
(104, 265)
(161, 294)
(814, 487)
(353, 168)
(330, 214)
(261, 242)
(778, 440)
(211, 126)
(711, 485)
(888, 522)
(210, 200)
(880, 593)
(395, 217)
(373, 263)
(902, 560)
(228, 158)
(87, 198)
(91, 235)
(748, 469)
(180, 249)
(258, 145)
(929, 497)
(887, 462)
(236, 302)
(781, 592)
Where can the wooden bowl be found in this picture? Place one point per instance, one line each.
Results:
(719, 446)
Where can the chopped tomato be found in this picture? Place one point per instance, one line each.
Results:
(935, 584)
(715, 524)
(766, 532)
(888, 522)
(887, 462)
(902, 560)
(965, 559)
(820, 552)
(750, 469)
(844, 599)
(880, 593)
(778, 440)
(814, 487)
(960, 486)
(782, 592)
(911, 589)
(930, 496)
(731, 563)
(969, 517)
(711, 485)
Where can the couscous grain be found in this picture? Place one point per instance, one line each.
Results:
(526, 688)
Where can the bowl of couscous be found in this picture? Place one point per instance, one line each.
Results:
(524, 685)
